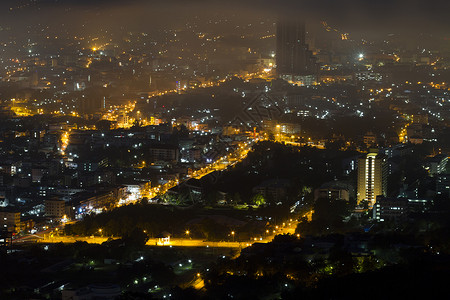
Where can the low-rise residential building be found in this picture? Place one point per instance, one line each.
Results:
(10, 221)
(55, 208)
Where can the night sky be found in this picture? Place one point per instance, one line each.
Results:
(385, 15)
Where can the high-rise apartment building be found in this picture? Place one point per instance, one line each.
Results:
(295, 62)
(372, 177)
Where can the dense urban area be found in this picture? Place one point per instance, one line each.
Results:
(212, 155)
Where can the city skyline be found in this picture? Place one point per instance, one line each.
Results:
(218, 150)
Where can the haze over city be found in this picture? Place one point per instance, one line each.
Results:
(224, 149)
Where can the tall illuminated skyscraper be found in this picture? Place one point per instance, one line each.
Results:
(295, 62)
(372, 177)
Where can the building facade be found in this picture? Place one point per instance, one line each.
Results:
(295, 62)
(9, 221)
(55, 208)
(443, 185)
(390, 209)
(437, 164)
(372, 177)
(331, 193)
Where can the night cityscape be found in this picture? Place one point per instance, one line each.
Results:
(224, 149)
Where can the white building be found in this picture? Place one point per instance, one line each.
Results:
(372, 177)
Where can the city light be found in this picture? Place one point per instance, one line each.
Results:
(200, 152)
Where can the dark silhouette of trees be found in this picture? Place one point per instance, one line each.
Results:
(328, 217)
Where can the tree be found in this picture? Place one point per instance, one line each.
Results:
(103, 125)
(258, 200)
(237, 198)
(137, 237)
(329, 210)
(212, 197)
(364, 204)
(137, 124)
(327, 217)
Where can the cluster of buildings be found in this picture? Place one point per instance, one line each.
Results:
(370, 191)
(59, 172)
(138, 89)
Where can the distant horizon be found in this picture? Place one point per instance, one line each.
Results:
(372, 16)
